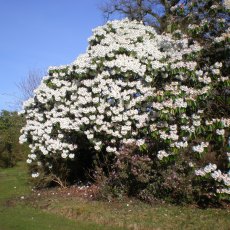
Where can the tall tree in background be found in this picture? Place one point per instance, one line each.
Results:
(156, 13)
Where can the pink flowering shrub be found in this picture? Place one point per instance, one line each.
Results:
(132, 87)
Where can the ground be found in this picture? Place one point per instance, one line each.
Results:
(22, 208)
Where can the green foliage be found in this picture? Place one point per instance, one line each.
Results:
(10, 149)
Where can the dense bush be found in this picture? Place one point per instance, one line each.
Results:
(133, 109)
(10, 150)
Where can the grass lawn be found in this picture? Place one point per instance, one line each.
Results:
(137, 215)
(16, 215)
(66, 212)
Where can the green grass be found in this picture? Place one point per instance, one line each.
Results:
(67, 213)
(16, 215)
(138, 215)
(27, 218)
(13, 182)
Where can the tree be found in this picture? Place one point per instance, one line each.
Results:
(156, 13)
(166, 15)
(29, 83)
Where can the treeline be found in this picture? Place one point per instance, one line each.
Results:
(10, 150)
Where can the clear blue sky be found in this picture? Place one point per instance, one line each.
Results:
(35, 34)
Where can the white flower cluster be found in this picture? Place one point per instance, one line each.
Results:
(226, 4)
(161, 154)
(223, 37)
(200, 148)
(220, 132)
(217, 175)
(207, 169)
(35, 175)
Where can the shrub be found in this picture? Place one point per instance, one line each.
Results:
(132, 87)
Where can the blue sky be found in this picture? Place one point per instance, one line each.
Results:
(35, 34)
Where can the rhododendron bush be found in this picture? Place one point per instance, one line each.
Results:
(134, 98)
